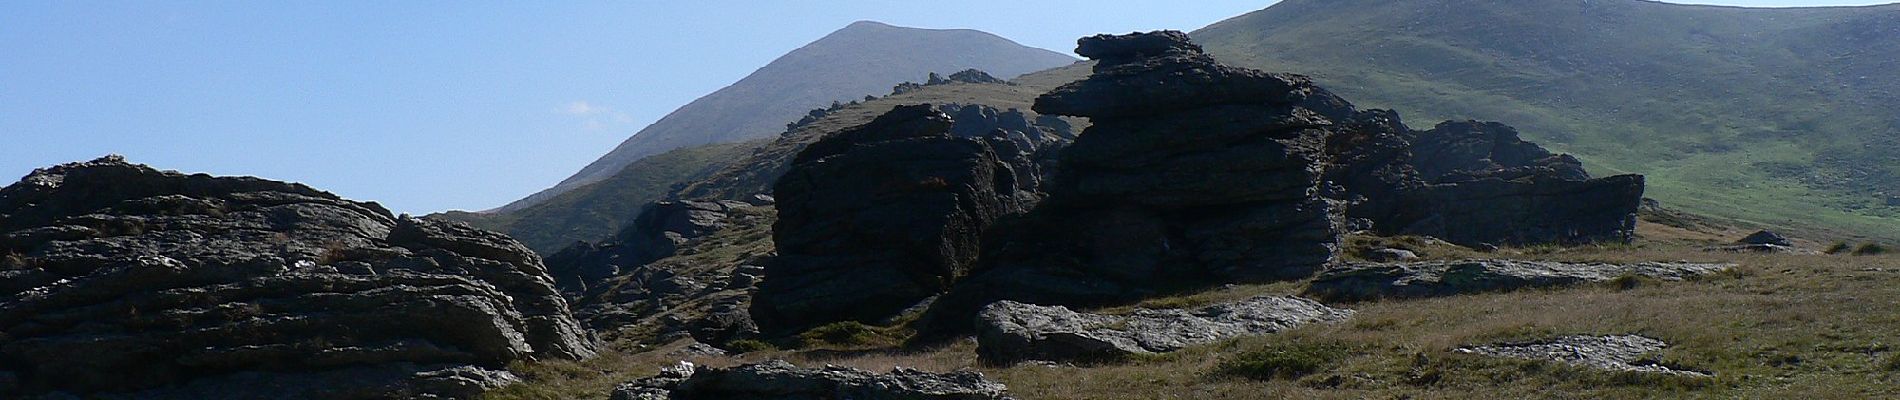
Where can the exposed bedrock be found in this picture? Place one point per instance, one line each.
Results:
(122, 280)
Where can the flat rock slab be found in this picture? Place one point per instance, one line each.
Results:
(1627, 353)
(779, 380)
(1440, 278)
(1010, 332)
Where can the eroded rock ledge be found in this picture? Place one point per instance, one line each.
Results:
(122, 280)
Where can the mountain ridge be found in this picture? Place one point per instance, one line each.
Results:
(759, 105)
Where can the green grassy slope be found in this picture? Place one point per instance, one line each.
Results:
(1780, 117)
(597, 210)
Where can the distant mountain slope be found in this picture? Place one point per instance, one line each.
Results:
(865, 58)
(597, 210)
(1776, 116)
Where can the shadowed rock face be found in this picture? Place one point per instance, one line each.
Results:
(876, 218)
(125, 280)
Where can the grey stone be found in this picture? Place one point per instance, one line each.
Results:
(1442, 278)
(1626, 353)
(1009, 332)
(1389, 255)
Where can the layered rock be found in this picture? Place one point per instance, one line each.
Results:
(779, 380)
(128, 281)
(1440, 278)
(873, 219)
(1009, 331)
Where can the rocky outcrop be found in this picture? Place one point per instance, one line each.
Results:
(1622, 353)
(969, 76)
(683, 268)
(1009, 331)
(779, 380)
(657, 233)
(127, 281)
(1434, 279)
(874, 219)
(1191, 173)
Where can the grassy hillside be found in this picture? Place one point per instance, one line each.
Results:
(865, 58)
(1780, 117)
(597, 210)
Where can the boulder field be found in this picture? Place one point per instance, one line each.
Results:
(125, 281)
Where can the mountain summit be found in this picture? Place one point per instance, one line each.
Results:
(864, 58)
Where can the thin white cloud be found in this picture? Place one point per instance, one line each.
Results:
(595, 117)
(581, 108)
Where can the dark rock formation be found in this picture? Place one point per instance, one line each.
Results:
(128, 281)
(1484, 185)
(1009, 332)
(1623, 353)
(779, 380)
(1190, 173)
(878, 217)
(1433, 279)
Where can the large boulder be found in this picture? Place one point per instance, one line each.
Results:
(122, 280)
(779, 380)
(876, 218)
(1009, 331)
(1448, 278)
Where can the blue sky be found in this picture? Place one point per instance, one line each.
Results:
(428, 106)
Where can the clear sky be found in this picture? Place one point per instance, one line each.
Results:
(428, 106)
